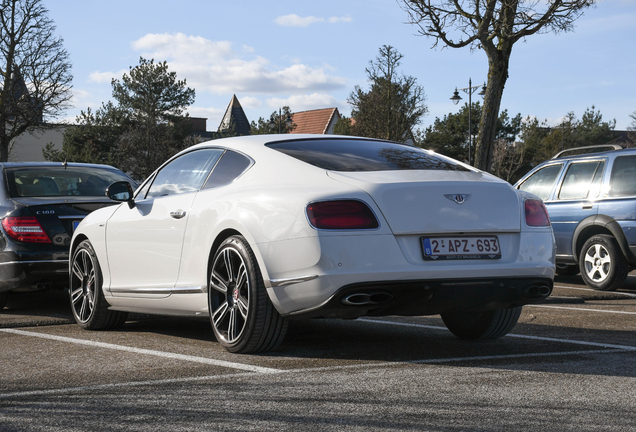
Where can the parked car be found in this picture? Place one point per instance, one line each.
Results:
(41, 203)
(590, 193)
(255, 231)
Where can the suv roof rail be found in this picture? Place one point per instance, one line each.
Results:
(595, 149)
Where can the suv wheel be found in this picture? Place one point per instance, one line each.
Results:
(603, 265)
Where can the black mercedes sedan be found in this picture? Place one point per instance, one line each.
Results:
(41, 203)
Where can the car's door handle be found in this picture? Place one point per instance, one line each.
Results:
(177, 214)
(587, 206)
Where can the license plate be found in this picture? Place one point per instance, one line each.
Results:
(75, 224)
(460, 248)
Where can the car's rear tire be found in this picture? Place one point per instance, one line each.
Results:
(567, 269)
(243, 318)
(3, 299)
(602, 263)
(482, 325)
(88, 304)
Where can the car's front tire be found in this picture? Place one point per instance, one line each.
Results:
(243, 318)
(482, 325)
(603, 265)
(88, 304)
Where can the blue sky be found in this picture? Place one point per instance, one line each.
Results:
(310, 55)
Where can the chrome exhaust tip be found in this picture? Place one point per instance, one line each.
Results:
(537, 291)
(361, 299)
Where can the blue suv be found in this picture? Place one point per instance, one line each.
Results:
(590, 193)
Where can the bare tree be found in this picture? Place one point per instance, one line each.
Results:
(35, 70)
(494, 26)
(507, 159)
(632, 128)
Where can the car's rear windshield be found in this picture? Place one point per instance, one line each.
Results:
(364, 155)
(48, 181)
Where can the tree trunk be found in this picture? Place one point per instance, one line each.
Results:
(4, 148)
(497, 76)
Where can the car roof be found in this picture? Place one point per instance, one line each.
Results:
(254, 141)
(608, 153)
(53, 164)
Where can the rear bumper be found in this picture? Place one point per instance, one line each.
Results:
(429, 297)
(33, 275)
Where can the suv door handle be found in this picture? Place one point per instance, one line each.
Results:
(587, 206)
(177, 214)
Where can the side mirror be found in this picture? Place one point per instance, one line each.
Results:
(121, 191)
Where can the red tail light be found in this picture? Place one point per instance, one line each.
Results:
(25, 229)
(342, 214)
(536, 213)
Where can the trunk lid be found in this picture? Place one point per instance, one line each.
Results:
(59, 218)
(439, 201)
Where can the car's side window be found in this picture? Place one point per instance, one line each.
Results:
(184, 174)
(541, 182)
(230, 166)
(623, 179)
(582, 180)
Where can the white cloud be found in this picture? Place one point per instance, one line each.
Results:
(216, 67)
(306, 102)
(205, 112)
(106, 77)
(294, 20)
(79, 96)
(250, 102)
(334, 20)
(83, 99)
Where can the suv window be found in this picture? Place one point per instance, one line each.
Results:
(184, 174)
(540, 183)
(623, 180)
(582, 180)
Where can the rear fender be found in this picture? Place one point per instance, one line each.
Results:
(600, 224)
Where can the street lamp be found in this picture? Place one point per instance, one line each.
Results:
(288, 121)
(456, 98)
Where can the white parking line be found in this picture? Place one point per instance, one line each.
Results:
(608, 349)
(208, 361)
(583, 309)
(541, 338)
(118, 385)
(597, 291)
(66, 390)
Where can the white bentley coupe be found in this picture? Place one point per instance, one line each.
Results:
(255, 231)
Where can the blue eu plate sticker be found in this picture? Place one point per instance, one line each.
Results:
(427, 247)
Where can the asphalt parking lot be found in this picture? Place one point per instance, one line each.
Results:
(569, 365)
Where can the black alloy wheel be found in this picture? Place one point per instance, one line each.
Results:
(88, 304)
(243, 318)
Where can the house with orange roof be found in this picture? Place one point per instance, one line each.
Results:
(318, 121)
